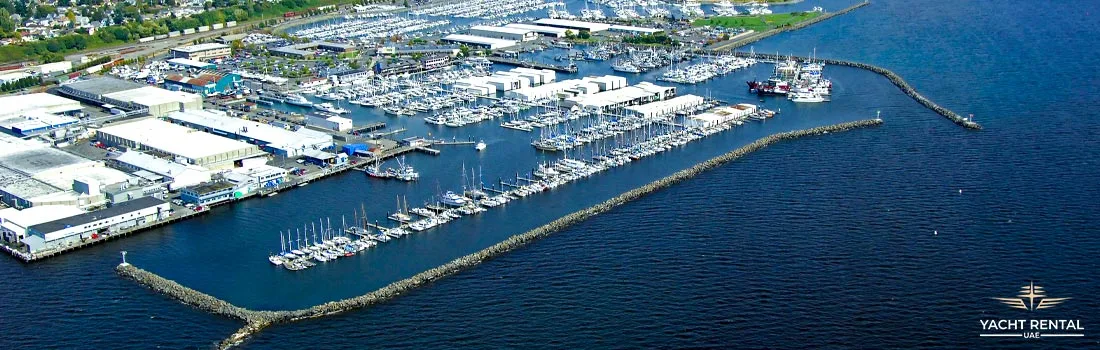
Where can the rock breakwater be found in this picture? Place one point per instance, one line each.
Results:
(258, 320)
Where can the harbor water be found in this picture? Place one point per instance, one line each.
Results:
(893, 237)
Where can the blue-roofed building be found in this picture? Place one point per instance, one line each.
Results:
(206, 83)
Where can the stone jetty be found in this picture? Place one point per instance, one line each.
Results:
(890, 75)
(255, 321)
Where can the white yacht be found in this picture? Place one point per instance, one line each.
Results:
(807, 97)
(298, 100)
(328, 107)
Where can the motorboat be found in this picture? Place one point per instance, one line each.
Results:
(298, 100)
(328, 107)
(806, 97)
(480, 146)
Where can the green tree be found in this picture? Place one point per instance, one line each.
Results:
(569, 34)
(354, 64)
(464, 51)
(584, 35)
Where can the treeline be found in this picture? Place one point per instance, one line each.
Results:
(20, 84)
(650, 39)
(54, 49)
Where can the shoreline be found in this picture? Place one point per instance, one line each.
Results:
(256, 321)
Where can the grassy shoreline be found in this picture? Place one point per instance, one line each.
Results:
(758, 23)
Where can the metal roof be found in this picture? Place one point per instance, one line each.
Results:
(177, 139)
(103, 86)
(90, 217)
(201, 47)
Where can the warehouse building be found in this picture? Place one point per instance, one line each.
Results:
(184, 145)
(185, 63)
(74, 230)
(553, 32)
(17, 105)
(206, 83)
(159, 101)
(129, 96)
(642, 93)
(634, 30)
(575, 26)
(172, 174)
(546, 91)
(256, 177)
(33, 174)
(270, 138)
(36, 123)
(666, 107)
(478, 41)
(202, 51)
(329, 122)
(506, 33)
(15, 222)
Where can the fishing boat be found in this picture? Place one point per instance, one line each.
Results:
(375, 170)
(405, 172)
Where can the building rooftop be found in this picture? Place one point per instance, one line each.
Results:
(17, 104)
(155, 165)
(151, 96)
(634, 29)
(203, 79)
(591, 26)
(36, 160)
(474, 39)
(25, 218)
(90, 217)
(103, 86)
(210, 187)
(175, 139)
(275, 137)
(509, 30)
(190, 63)
(201, 47)
(538, 28)
(35, 120)
(23, 186)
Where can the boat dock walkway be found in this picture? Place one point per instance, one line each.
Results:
(370, 128)
(529, 64)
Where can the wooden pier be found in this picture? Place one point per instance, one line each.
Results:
(529, 64)
(370, 127)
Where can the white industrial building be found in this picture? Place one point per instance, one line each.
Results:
(203, 51)
(15, 222)
(479, 41)
(553, 32)
(506, 33)
(721, 115)
(256, 177)
(175, 175)
(182, 144)
(74, 230)
(270, 138)
(16, 105)
(159, 101)
(634, 30)
(547, 91)
(543, 75)
(575, 26)
(334, 123)
(33, 174)
(666, 107)
(642, 93)
(477, 86)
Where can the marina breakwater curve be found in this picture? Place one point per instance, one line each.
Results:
(255, 321)
(890, 75)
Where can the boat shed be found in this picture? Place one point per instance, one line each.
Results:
(545, 91)
(334, 123)
(479, 41)
(553, 32)
(666, 107)
(187, 63)
(270, 138)
(607, 82)
(65, 232)
(324, 159)
(506, 33)
(174, 175)
(634, 30)
(615, 99)
(721, 115)
(573, 25)
(183, 144)
(36, 122)
(210, 193)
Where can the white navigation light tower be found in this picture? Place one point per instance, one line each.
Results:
(124, 263)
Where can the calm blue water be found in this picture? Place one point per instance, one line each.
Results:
(823, 243)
